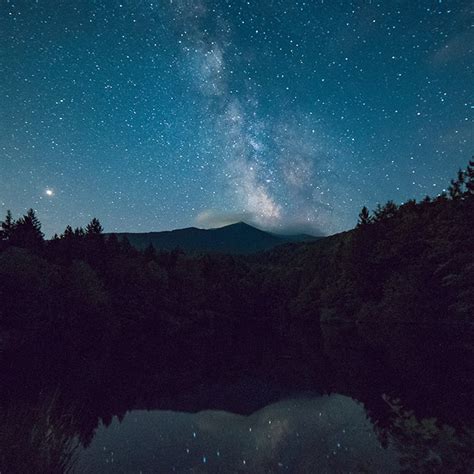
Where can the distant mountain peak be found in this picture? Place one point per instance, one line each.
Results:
(239, 224)
(237, 238)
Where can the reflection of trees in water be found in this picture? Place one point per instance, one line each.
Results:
(37, 438)
(426, 445)
(363, 362)
(429, 367)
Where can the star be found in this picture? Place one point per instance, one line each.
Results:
(226, 110)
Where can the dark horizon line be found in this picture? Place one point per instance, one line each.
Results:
(282, 234)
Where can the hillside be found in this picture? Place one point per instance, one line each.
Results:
(410, 263)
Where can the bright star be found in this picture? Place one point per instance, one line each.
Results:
(49, 192)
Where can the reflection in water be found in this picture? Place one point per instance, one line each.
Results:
(426, 445)
(330, 432)
(37, 439)
(393, 399)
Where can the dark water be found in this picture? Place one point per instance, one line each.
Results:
(359, 399)
(331, 432)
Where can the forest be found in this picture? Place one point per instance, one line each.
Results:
(83, 299)
(88, 320)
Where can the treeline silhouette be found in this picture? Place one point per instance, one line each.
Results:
(407, 263)
(109, 325)
(83, 299)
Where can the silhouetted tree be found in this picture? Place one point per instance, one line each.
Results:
(364, 217)
(7, 227)
(94, 227)
(455, 189)
(461, 177)
(386, 211)
(79, 232)
(27, 231)
(68, 233)
(411, 206)
(470, 178)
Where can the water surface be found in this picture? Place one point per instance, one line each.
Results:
(292, 435)
(354, 399)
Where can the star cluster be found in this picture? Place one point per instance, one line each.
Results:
(290, 115)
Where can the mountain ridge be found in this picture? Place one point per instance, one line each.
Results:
(237, 238)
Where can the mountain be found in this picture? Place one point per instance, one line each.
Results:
(239, 238)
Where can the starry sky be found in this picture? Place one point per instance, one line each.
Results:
(289, 115)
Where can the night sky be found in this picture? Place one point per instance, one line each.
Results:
(290, 115)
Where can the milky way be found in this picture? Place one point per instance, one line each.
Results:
(288, 115)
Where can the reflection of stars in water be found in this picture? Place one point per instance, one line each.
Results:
(271, 432)
(288, 436)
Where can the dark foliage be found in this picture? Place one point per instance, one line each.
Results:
(91, 306)
(83, 290)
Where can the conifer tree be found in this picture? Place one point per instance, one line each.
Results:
(7, 227)
(386, 211)
(79, 232)
(456, 188)
(27, 231)
(461, 178)
(94, 227)
(364, 217)
(469, 178)
(68, 233)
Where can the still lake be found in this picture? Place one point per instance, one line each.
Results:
(332, 432)
(364, 399)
